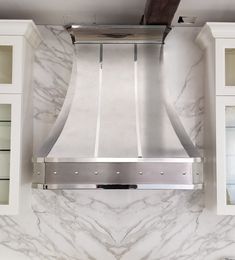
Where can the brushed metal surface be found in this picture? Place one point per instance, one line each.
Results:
(39, 172)
(113, 34)
(110, 159)
(133, 175)
(135, 186)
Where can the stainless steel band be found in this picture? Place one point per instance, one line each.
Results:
(160, 173)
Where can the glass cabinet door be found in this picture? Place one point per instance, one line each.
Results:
(225, 154)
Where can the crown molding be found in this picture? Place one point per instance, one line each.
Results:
(212, 31)
(24, 28)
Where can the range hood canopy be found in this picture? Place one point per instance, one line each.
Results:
(108, 172)
(114, 34)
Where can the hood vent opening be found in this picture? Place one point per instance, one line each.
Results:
(117, 128)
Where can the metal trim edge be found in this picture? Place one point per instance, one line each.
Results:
(99, 186)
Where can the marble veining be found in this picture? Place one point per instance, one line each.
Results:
(117, 225)
(52, 72)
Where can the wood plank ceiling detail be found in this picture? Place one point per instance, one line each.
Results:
(160, 12)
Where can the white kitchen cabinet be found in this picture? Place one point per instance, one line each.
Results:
(218, 41)
(18, 41)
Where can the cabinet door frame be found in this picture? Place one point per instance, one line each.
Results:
(221, 172)
(12, 207)
(17, 64)
(220, 46)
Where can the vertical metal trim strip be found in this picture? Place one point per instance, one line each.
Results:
(137, 116)
(97, 136)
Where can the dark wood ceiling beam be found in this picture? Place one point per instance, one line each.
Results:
(160, 12)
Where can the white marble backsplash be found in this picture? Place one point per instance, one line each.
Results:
(117, 225)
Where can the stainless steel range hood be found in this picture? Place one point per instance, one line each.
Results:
(114, 123)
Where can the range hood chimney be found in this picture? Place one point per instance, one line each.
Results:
(110, 130)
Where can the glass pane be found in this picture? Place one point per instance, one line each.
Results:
(4, 192)
(5, 135)
(4, 164)
(6, 64)
(5, 126)
(230, 67)
(5, 112)
(230, 153)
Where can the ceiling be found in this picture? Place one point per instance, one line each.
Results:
(62, 12)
